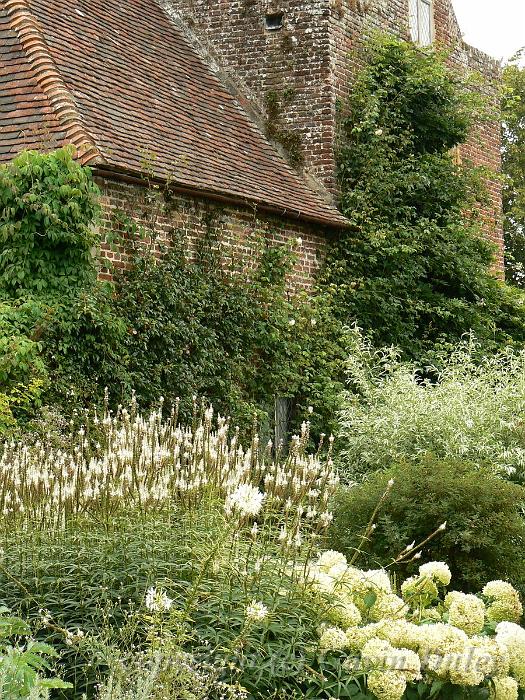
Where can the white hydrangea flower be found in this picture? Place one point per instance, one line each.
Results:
(256, 612)
(400, 633)
(387, 685)
(497, 655)
(327, 560)
(337, 571)
(417, 589)
(333, 639)
(504, 688)
(379, 655)
(246, 500)
(513, 637)
(379, 579)
(323, 582)
(465, 611)
(504, 602)
(345, 614)
(441, 639)
(437, 571)
(157, 600)
(374, 653)
(388, 606)
(357, 637)
(406, 662)
(510, 634)
(468, 669)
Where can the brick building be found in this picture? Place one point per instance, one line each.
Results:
(233, 102)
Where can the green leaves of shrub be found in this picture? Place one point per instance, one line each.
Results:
(47, 207)
(229, 331)
(23, 667)
(464, 408)
(485, 531)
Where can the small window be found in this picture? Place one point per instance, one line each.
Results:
(274, 21)
(421, 22)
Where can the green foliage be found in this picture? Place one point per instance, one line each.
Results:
(413, 269)
(48, 205)
(513, 108)
(466, 408)
(84, 349)
(485, 531)
(20, 347)
(196, 328)
(214, 324)
(53, 320)
(23, 667)
(88, 577)
(82, 546)
(226, 329)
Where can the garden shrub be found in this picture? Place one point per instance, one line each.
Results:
(195, 327)
(48, 205)
(413, 269)
(465, 408)
(55, 325)
(25, 664)
(485, 529)
(228, 329)
(415, 640)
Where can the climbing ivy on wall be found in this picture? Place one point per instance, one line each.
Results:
(48, 206)
(413, 269)
(513, 107)
(223, 326)
(171, 325)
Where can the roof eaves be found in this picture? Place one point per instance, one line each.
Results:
(329, 220)
(50, 81)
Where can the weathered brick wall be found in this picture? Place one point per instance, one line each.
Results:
(290, 66)
(311, 62)
(240, 233)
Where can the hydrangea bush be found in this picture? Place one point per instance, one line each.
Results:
(442, 644)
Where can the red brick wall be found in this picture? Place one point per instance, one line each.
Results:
(293, 63)
(311, 63)
(239, 232)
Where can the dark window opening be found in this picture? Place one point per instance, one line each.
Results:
(274, 21)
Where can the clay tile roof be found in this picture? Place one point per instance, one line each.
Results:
(119, 80)
(26, 116)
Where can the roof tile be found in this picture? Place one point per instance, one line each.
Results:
(120, 79)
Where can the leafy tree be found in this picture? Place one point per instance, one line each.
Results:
(413, 269)
(513, 105)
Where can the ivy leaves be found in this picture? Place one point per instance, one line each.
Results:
(413, 270)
